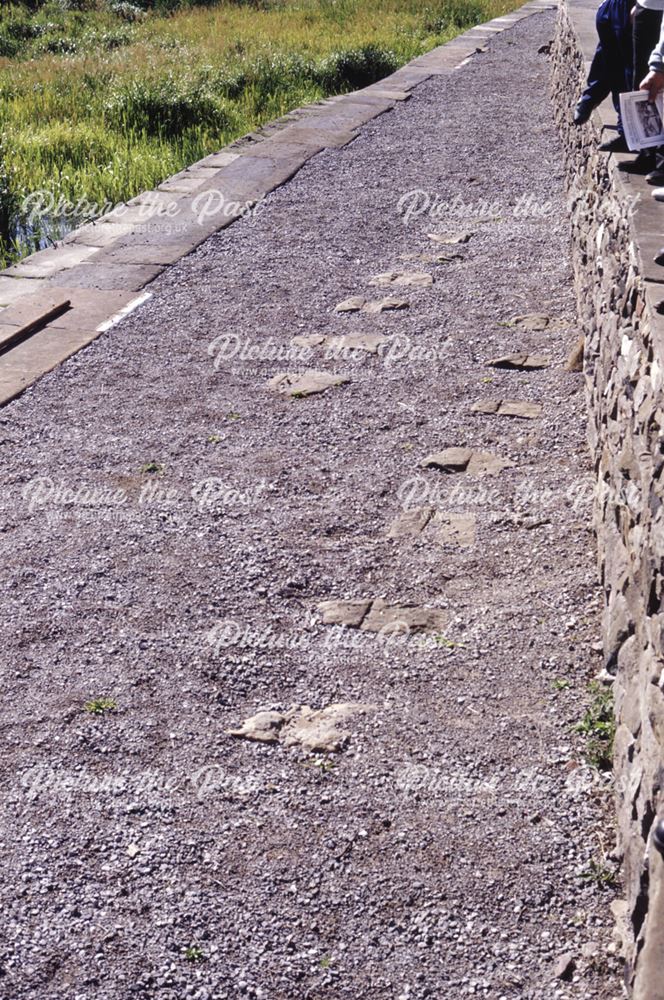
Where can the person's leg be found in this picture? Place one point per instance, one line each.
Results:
(599, 77)
(646, 29)
(615, 31)
(645, 35)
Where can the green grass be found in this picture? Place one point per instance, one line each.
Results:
(194, 954)
(598, 726)
(99, 706)
(600, 874)
(101, 100)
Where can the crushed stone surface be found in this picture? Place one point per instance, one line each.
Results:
(169, 526)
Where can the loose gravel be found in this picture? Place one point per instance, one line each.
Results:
(169, 526)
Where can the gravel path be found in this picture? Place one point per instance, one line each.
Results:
(442, 853)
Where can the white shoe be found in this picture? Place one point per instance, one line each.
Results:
(658, 194)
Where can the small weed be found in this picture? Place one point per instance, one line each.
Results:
(325, 962)
(153, 468)
(232, 416)
(561, 684)
(487, 379)
(442, 640)
(599, 727)
(99, 706)
(324, 764)
(600, 874)
(194, 954)
(215, 439)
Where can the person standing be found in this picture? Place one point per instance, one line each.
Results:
(611, 70)
(646, 29)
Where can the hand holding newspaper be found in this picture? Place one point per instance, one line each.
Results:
(642, 119)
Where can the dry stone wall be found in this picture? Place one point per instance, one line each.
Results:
(616, 224)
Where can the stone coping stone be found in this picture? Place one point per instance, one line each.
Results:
(98, 234)
(44, 263)
(13, 289)
(26, 317)
(283, 150)
(107, 276)
(308, 135)
(21, 366)
(142, 253)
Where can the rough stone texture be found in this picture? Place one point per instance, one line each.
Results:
(624, 362)
(474, 463)
(520, 361)
(414, 280)
(316, 730)
(305, 383)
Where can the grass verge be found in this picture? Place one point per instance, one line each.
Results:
(100, 100)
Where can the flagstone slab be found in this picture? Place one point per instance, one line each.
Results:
(142, 253)
(106, 276)
(186, 182)
(414, 279)
(221, 159)
(28, 314)
(298, 384)
(407, 78)
(251, 177)
(390, 95)
(47, 262)
(378, 101)
(44, 350)
(319, 730)
(485, 406)
(271, 149)
(100, 234)
(13, 289)
(344, 116)
(308, 135)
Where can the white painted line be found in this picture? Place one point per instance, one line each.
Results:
(129, 308)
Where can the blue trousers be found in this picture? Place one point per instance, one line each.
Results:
(611, 68)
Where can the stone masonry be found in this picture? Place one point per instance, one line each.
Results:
(616, 227)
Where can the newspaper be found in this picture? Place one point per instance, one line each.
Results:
(642, 119)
